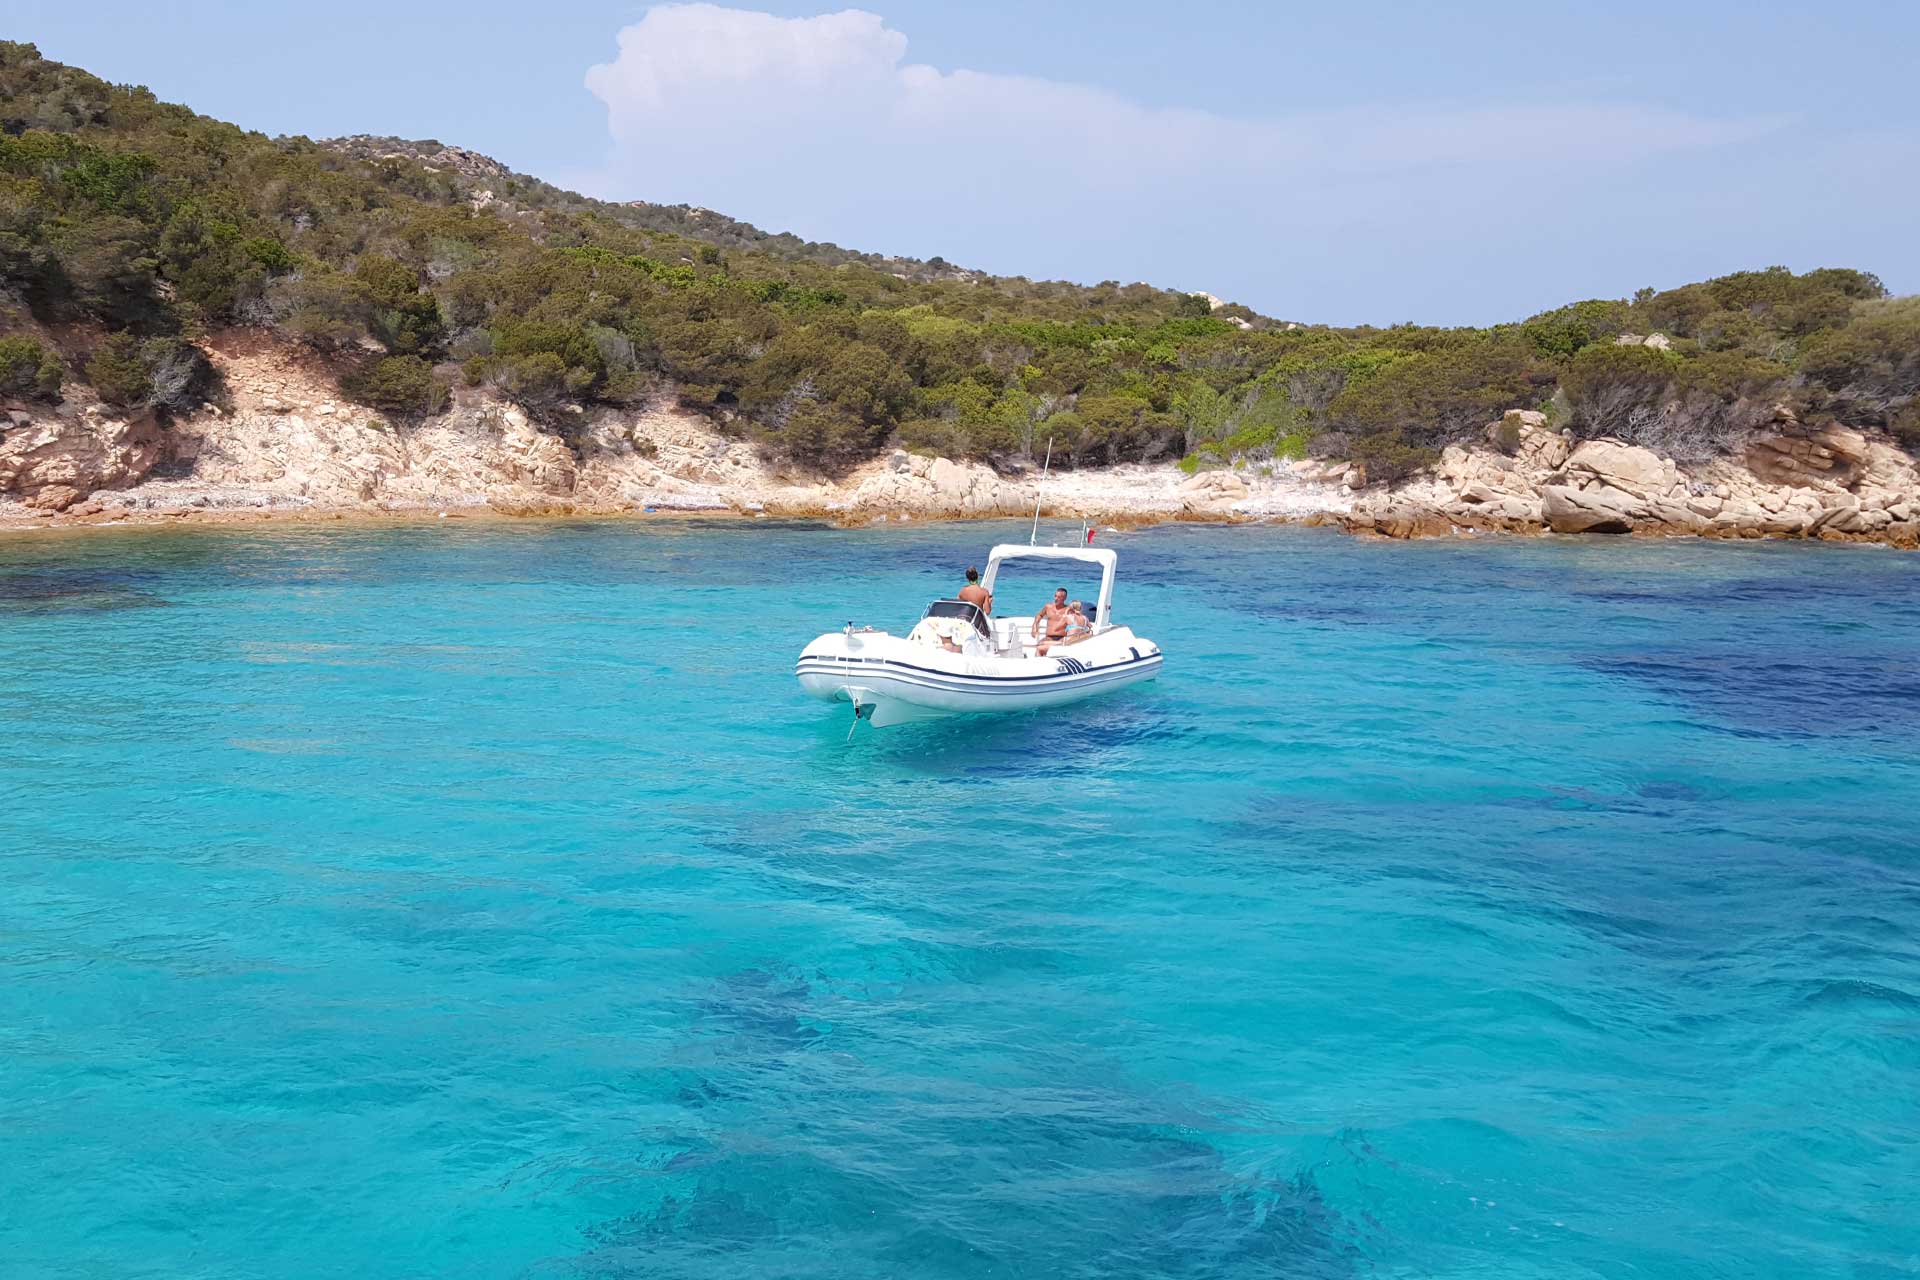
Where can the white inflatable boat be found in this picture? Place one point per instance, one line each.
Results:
(957, 660)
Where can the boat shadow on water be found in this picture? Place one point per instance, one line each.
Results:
(1059, 741)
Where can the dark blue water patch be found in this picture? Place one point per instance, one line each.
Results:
(695, 1091)
(1857, 993)
(1655, 798)
(1126, 1200)
(1671, 789)
(762, 1011)
(1792, 591)
(1278, 1228)
(742, 1212)
(1755, 693)
(83, 591)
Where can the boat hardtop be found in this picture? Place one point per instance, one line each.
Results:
(957, 659)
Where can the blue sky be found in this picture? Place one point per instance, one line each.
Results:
(1444, 163)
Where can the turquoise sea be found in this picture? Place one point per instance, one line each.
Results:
(485, 900)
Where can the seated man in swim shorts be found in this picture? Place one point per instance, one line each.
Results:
(1054, 617)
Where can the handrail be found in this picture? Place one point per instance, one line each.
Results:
(1102, 556)
(978, 616)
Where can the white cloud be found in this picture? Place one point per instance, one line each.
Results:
(821, 126)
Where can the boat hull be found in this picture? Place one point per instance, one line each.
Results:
(902, 682)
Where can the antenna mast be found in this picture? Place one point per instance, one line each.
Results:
(1036, 492)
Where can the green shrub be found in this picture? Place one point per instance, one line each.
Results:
(398, 384)
(166, 373)
(404, 319)
(119, 373)
(1608, 385)
(536, 379)
(29, 370)
(1688, 409)
(824, 435)
(1389, 458)
(1868, 373)
(969, 420)
(1559, 334)
(1444, 394)
(214, 267)
(322, 310)
(1906, 425)
(1272, 429)
(937, 437)
(1113, 427)
(1755, 310)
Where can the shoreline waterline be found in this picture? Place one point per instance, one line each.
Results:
(215, 518)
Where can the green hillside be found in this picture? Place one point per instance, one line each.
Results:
(131, 230)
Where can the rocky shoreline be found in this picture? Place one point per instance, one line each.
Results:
(282, 446)
(1792, 481)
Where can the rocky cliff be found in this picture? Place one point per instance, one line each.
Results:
(1792, 480)
(282, 443)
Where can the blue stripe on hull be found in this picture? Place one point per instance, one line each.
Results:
(852, 666)
(945, 682)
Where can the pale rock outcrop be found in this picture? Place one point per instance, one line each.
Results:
(936, 487)
(1571, 509)
(1514, 512)
(1536, 451)
(1639, 472)
(1606, 486)
(1463, 469)
(1213, 493)
(1320, 471)
(1831, 457)
(1827, 482)
(525, 456)
(51, 463)
(971, 489)
(1472, 490)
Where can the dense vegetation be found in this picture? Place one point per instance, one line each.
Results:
(130, 230)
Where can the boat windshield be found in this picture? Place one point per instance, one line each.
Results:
(961, 609)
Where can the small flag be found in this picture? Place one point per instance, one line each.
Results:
(1090, 532)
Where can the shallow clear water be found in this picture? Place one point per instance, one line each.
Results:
(487, 901)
